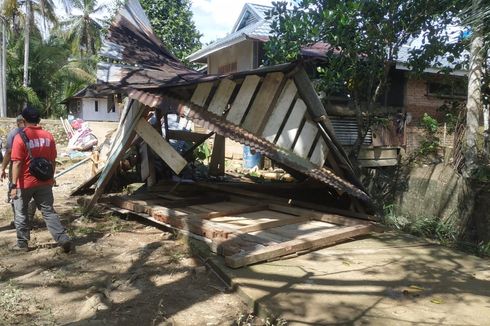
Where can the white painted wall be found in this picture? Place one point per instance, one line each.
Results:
(88, 112)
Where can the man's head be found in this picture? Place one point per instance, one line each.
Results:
(20, 121)
(31, 115)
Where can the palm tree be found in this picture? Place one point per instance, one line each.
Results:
(84, 31)
(43, 9)
(477, 15)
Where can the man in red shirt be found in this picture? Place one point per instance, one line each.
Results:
(26, 186)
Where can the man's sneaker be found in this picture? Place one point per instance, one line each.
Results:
(18, 248)
(66, 246)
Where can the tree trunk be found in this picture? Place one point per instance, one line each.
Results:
(25, 82)
(3, 67)
(474, 101)
(486, 131)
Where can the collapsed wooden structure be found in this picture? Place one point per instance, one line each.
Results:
(274, 110)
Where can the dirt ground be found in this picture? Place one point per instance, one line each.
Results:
(122, 273)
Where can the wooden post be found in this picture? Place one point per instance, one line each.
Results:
(217, 164)
(95, 162)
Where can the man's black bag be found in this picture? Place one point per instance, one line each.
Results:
(39, 167)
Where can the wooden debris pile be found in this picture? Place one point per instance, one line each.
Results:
(274, 110)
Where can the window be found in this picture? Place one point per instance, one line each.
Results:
(447, 88)
(96, 106)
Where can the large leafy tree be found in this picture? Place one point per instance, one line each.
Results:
(364, 40)
(172, 23)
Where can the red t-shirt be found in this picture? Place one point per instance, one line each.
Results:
(42, 144)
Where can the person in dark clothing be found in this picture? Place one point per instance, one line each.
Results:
(30, 146)
(6, 162)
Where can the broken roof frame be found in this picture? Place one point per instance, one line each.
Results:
(274, 110)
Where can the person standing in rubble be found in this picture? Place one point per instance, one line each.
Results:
(33, 167)
(7, 162)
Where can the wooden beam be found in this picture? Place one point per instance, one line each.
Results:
(189, 153)
(233, 212)
(274, 224)
(310, 97)
(378, 163)
(163, 149)
(199, 200)
(217, 164)
(315, 215)
(144, 162)
(310, 242)
(284, 201)
(205, 228)
(127, 134)
(187, 135)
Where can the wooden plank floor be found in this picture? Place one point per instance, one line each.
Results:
(244, 230)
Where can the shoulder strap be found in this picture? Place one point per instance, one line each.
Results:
(26, 142)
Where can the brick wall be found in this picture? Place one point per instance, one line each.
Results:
(417, 102)
(415, 135)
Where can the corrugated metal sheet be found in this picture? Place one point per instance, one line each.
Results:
(346, 130)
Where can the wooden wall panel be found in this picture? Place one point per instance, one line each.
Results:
(201, 93)
(280, 111)
(305, 139)
(222, 96)
(245, 94)
(291, 127)
(261, 105)
(320, 153)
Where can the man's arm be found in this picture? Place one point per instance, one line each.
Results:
(5, 162)
(16, 166)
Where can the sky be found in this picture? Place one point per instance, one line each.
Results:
(213, 18)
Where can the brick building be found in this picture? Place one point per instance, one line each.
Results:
(408, 99)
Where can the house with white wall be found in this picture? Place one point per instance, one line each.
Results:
(88, 105)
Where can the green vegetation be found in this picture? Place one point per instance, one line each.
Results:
(63, 53)
(172, 23)
(444, 232)
(364, 41)
(430, 144)
(16, 308)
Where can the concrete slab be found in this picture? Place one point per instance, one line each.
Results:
(384, 279)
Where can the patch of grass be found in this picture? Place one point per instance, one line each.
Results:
(18, 308)
(423, 226)
(117, 225)
(443, 231)
(247, 319)
(83, 210)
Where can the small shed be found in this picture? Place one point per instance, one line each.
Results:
(273, 110)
